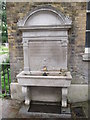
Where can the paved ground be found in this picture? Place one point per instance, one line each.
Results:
(10, 108)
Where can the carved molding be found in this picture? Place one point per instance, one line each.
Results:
(25, 44)
(65, 20)
(26, 92)
(64, 97)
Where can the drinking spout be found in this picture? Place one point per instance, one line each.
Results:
(44, 68)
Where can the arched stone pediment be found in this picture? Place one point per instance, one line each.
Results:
(44, 16)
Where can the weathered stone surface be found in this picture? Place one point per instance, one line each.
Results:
(16, 92)
(80, 93)
(11, 110)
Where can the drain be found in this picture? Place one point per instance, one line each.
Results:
(44, 74)
(78, 112)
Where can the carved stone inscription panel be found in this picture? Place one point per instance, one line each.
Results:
(47, 53)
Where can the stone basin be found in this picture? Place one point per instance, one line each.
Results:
(37, 78)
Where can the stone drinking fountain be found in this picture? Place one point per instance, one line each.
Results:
(45, 47)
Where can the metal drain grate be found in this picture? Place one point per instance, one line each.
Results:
(78, 112)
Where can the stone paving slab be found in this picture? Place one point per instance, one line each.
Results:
(10, 108)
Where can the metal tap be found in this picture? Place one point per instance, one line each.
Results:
(44, 69)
